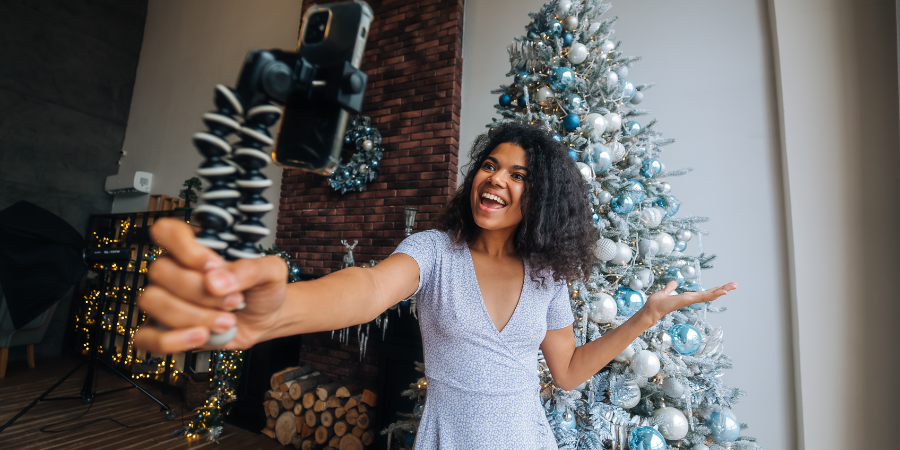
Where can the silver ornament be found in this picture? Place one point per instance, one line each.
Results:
(689, 272)
(666, 243)
(613, 123)
(622, 71)
(651, 217)
(567, 416)
(638, 98)
(368, 145)
(607, 46)
(545, 95)
(618, 150)
(563, 6)
(645, 275)
(684, 235)
(674, 424)
(645, 364)
(586, 172)
(603, 310)
(666, 187)
(363, 168)
(577, 53)
(648, 248)
(634, 160)
(625, 355)
(611, 78)
(636, 284)
(623, 255)
(570, 22)
(663, 341)
(605, 250)
(604, 197)
(628, 396)
(671, 386)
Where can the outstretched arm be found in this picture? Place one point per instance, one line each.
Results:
(571, 366)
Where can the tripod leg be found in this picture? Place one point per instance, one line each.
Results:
(121, 375)
(35, 402)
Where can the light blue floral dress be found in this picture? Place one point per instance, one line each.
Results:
(483, 387)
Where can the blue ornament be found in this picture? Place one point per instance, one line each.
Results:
(567, 39)
(651, 167)
(346, 173)
(404, 302)
(555, 29)
(368, 131)
(573, 103)
(635, 189)
(685, 338)
(646, 438)
(521, 101)
(505, 100)
(533, 35)
(347, 139)
(680, 246)
(520, 77)
(409, 439)
(295, 270)
(604, 160)
(561, 77)
(723, 425)
(627, 90)
(676, 276)
(419, 409)
(573, 154)
(631, 128)
(670, 204)
(567, 421)
(595, 217)
(622, 204)
(571, 121)
(556, 137)
(628, 301)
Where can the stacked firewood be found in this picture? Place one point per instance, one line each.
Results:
(309, 411)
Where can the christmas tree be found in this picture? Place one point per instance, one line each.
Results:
(665, 390)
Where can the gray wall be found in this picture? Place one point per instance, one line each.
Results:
(67, 70)
(715, 94)
(188, 48)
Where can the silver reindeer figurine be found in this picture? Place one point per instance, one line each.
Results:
(348, 258)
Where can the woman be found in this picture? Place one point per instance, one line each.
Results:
(491, 285)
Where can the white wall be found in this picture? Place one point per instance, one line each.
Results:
(715, 95)
(188, 48)
(838, 92)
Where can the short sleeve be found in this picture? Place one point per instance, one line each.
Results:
(559, 313)
(423, 248)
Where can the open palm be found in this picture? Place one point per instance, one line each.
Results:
(663, 302)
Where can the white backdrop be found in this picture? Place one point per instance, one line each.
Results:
(715, 95)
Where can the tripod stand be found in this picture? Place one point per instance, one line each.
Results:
(88, 391)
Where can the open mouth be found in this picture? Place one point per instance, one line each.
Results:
(491, 201)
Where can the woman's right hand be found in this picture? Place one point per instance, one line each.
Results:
(193, 292)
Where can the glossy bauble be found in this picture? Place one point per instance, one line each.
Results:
(605, 250)
(635, 189)
(628, 396)
(622, 204)
(602, 158)
(689, 272)
(631, 128)
(573, 103)
(648, 248)
(666, 187)
(595, 217)
(672, 387)
(613, 122)
(686, 339)
(598, 124)
(674, 424)
(625, 355)
(611, 78)
(646, 438)
(571, 121)
(561, 78)
(617, 151)
(651, 167)
(573, 154)
(607, 46)
(570, 22)
(675, 274)
(628, 301)
(586, 172)
(505, 100)
(680, 246)
(623, 255)
(636, 284)
(723, 424)
(651, 217)
(666, 243)
(684, 235)
(670, 204)
(638, 98)
(628, 90)
(545, 95)
(645, 275)
(368, 145)
(577, 53)
(604, 197)
(554, 29)
(563, 7)
(419, 409)
(622, 71)
(603, 310)
(645, 364)
(568, 39)
(662, 341)
(567, 421)
(521, 101)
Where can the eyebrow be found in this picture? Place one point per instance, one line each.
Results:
(514, 167)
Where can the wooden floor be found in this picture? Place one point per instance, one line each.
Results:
(22, 385)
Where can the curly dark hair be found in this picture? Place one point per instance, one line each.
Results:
(556, 232)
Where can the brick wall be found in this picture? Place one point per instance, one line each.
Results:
(414, 62)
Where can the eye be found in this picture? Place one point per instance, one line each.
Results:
(488, 166)
(518, 176)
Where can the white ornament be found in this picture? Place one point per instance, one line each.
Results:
(563, 6)
(545, 95)
(612, 78)
(666, 243)
(633, 400)
(613, 123)
(645, 275)
(596, 120)
(607, 46)
(368, 145)
(586, 171)
(604, 309)
(617, 150)
(663, 341)
(684, 235)
(666, 187)
(605, 249)
(645, 364)
(648, 248)
(577, 53)
(674, 424)
(622, 71)
(623, 255)
(651, 217)
(570, 22)
(636, 284)
(626, 355)
(689, 272)
(672, 387)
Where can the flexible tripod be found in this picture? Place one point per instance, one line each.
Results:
(88, 391)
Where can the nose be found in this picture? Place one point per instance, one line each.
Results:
(499, 179)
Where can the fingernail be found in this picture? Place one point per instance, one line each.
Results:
(196, 337)
(224, 322)
(213, 263)
(221, 280)
(233, 301)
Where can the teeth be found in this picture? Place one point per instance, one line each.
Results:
(494, 198)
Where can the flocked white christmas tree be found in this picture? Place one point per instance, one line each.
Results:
(664, 391)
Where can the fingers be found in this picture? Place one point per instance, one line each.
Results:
(173, 312)
(150, 338)
(670, 287)
(177, 238)
(188, 285)
(245, 274)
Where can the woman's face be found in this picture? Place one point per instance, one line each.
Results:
(498, 186)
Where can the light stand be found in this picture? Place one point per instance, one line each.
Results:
(409, 218)
(88, 391)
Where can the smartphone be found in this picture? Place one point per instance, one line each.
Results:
(312, 127)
